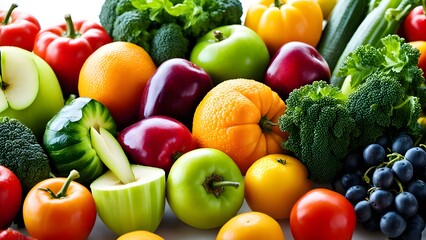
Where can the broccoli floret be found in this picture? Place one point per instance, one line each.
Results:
(394, 57)
(320, 129)
(381, 104)
(133, 26)
(21, 153)
(212, 14)
(169, 42)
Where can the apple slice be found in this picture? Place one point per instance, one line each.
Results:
(112, 154)
(19, 80)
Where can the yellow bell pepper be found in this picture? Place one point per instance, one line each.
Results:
(278, 22)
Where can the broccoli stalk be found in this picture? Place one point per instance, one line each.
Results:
(320, 129)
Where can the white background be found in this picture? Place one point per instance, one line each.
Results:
(50, 12)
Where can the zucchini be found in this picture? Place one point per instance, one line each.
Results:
(343, 21)
(382, 20)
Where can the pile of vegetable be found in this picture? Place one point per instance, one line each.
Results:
(383, 92)
(166, 29)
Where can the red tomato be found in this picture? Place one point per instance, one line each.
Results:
(59, 208)
(415, 25)
(10, 196)
(322, 214)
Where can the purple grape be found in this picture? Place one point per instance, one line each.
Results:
(382, 177)
(374, 154)
(392, 224)
(403, 170)
(406, 204)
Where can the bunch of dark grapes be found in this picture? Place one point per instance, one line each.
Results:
(386, 183)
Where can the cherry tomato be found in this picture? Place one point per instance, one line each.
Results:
(414, 25)
(322, 214)
(10, 196)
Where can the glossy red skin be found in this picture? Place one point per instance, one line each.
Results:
(414, 26)
(12, 234)
(175, 90)
(156, 141)
(322, 214)
(20, 31)
(10, 196)
(66, 54)
(295, 64)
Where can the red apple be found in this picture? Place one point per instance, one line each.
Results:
(175, 90)
(156, 141)
(294, 65)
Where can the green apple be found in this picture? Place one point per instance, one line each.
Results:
(29, 89)
(232, 51)
(128, 197)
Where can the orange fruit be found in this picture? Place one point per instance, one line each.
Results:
(239, 117)
(115, 75)
(140, 235)
(251, 226)
(274, 183)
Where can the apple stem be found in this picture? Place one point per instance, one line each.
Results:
(282, 161)
(63, 191)
(70, 32)
(216, 185)
(218, 35)
(9, 13)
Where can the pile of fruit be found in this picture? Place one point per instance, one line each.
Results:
(202, 104)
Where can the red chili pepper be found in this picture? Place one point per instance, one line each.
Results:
(18, 29)
(415, 24)
(65, 47)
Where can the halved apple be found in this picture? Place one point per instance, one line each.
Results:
(19, 79)
(29, 89)
(128, 197)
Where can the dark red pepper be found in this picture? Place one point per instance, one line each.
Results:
(18, 29)
(65, 47)
(414, 25)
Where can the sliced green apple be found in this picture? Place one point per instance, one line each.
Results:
(19, 80)
(134, 206)
(112, 154)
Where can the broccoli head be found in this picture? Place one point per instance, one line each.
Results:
(169, 42)
(212, 14)
(394, 57)
(320, 129)
(133, 26)
(381, 104)
(21, 153)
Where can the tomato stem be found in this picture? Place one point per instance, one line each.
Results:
(63, 191)
(9, 13)
(216, 185)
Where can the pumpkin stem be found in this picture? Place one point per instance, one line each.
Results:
(266, 124)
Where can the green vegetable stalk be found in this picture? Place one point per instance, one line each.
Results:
(384, 19)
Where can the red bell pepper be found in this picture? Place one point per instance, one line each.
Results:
(414, 25)
(65, 47)
(18, 29)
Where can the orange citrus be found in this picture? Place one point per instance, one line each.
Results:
(140, 235)
(115, 75)
(251, 226)
(274, 183)
(239, 117)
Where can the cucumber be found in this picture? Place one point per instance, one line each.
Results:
(343, 21)
(383, 20)
(67, 138)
